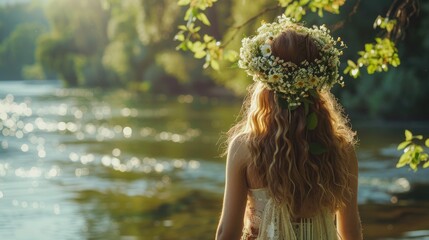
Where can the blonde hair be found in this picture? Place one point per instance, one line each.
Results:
(279, 141)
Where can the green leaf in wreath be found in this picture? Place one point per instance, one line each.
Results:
(427, 142)
(312, 121)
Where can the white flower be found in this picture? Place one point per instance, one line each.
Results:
(314, 81)
(300, 83)
(275, 77)
(266, 50)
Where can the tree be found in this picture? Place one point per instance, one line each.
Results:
(376, 56)
(76, 42)
(20, 26)
(18, 49)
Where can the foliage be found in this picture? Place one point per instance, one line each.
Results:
(376, 56)
(113, 43)
(414, 153)
(189, 35)
(20, 26)
(18, 48)
(298, 9)
(76, 42)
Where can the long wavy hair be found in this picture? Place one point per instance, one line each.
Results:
(279, 140)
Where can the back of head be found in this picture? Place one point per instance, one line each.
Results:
(301, 166)
(294, 47)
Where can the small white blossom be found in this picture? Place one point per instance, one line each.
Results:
(266, 50)
(274, 77)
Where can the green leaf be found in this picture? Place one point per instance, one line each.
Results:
(420, 137)
(183, 2)
(371, 69)
(403, 145)
(368, 47)
(231, 55)
(427, 142)
(203, 18)
(311, 121)
(207, 38)
(200, 54)
(408, 135)
(188, 14)
(424, 157)
(316, 148)
(426, 165)
(179, 37)
(351, 64)
(413, 166)
(403, 160)
(182, 46)
(215, 65)
(284, 3)
(183, 27)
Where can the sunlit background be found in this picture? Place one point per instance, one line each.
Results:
(108, 132)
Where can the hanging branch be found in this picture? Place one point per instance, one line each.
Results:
(248, 21)
(341, 23)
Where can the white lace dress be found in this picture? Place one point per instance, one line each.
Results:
(265, 220)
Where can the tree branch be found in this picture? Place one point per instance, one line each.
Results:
(341, 23)
(237, 28)
(402, 11)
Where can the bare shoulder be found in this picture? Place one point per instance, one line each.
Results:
(238, 151)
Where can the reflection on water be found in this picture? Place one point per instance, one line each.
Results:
(82, 164)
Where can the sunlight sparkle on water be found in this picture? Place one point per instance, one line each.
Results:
(53, 172)
(57, 209)
(28, 128)
(34, 172)
(85, 159)
(4, 144)
(19, 134)
(404, 184)
(74, 157)
(116, 152)
(79, 172)
(24, 147)
(127, 131)
(125, 112)
(194, 164)
(41, 153)
(77, 113)
(3, 169)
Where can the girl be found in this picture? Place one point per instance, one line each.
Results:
(291, 166)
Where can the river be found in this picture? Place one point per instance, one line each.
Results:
(97, 164)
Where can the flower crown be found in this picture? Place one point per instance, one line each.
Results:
(292, 82)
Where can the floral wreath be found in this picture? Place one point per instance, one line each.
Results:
(292, 82)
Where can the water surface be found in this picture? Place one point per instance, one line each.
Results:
(96, 164)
